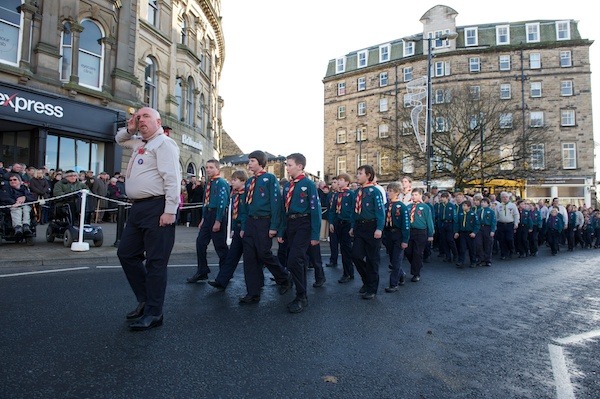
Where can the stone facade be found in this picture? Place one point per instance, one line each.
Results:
(563, 57)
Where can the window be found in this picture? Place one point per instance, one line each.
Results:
(362, 58)
(384, 164)
(153, 12)
(150, 84)
(383, 104)
(191, 102)
(406, 128)
(90, 55)
(475, 92)
(409, 49)
(441, 68)
(201, 113)
(341, 164)
(563, 30)
(10, 30)
(407, 74)
(384, 131)
(439, 96)
(66, 52)
(341, 113)
(536, 89)
(502, 34)
(567, 117)
(383, 79)
(361, 159)
(566, 88)
(569, 156)
(439, 42)
(535, 61)
(505, 91)
(537, 156)
(441, 124)
(474, 64)
(384, 53)
(506, 121)
(183, 32)
(341, 136)
(362, 108)
(361, 134)
(341, 88)
(179, 98)
(471, 37)
(506, 155)
(533, 32)
(407, 100)
(536, 119)
(340, 65)
(565, 59)
(504, 62)
(408, 164)
(361, 84)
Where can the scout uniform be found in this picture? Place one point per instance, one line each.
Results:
(395, 233)
(467, 223)
(340, 217)
(421, 228)
(445, 220)
(521, 239)
(555, 225)
(536, 220)
(484, 240)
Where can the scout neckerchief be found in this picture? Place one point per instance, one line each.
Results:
(252, 184)
(288, 199)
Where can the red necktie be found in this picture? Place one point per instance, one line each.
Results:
(236, 204)
(412, 212)
(252, 184)
(388, 217)
(288, 199)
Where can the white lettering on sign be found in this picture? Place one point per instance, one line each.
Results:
(18, 104)
(189, 141)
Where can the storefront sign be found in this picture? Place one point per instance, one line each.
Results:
(189, 141)
(556, 180)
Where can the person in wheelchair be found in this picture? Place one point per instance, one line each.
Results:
(69, 184)
(16, 194)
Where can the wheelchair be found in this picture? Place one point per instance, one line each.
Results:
(64, 225)
(7, 231)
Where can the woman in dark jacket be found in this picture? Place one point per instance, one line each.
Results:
(40, 187)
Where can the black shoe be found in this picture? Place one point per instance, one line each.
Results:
(488, 264)
(330, 264)
(392, 289)
(137, 313)
(363, 289)
(368, 295)
(249, 299)
(319, 283)
(26, 230)
(197, 277)
(217, 285)
(297, 305)
(18, 231)
(503, 258)
(345, 279)
(414, 279)
(285, 287)
(401, 281)
(460, 265)
(472, 265)
(147, 322)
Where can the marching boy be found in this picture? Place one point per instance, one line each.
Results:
(421, 231)
(467, 227)
(340, 218)
(395, 234)
(485, 236)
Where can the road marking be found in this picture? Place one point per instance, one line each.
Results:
(564, 388)
(183, 265)
(44, 271)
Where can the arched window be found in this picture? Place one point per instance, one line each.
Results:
(90, 55)
(190, 101)
(66, 52)
(179, 98)
(201, 113)
(10, 31)
(150, 83)
(183, 32)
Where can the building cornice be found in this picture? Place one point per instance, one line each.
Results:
(215, 22)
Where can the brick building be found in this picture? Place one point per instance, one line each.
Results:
(548, 61)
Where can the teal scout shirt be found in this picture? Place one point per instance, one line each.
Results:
(423, 218)
(305, 200)
(218, 197)
(400, 219)
(346, 206)
(487, 217)
(372, 206)
(468, 221)
(266, 199)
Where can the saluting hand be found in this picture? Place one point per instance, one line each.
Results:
(132, 123)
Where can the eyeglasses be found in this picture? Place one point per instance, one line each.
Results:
(13, 179)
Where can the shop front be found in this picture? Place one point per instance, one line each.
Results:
(569, 190)
(39, 128)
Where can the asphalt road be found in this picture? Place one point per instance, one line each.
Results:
(471, 333)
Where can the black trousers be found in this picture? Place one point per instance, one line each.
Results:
(484, 244)
(298, 237)
(447, 242)
(257, 252)
(505, 233)
(205, 235)
(414, 252)
(366, 246)
(236, 249)
(392, 240)
(333, 247)
(467, 244)
(342, 234)
(147, 274)
(522, 240)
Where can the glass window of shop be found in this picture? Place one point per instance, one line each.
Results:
(72, 153)
(10, 29)
(14, 147)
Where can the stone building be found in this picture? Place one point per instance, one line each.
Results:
(73, 71)
(365, 92)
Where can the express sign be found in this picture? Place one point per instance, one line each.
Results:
(19, 103)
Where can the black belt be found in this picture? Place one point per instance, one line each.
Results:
(362, 221)
(154, 198)
(506, 223)
(260, 217)
(343, 221)
(390, 229)
(297, 215)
